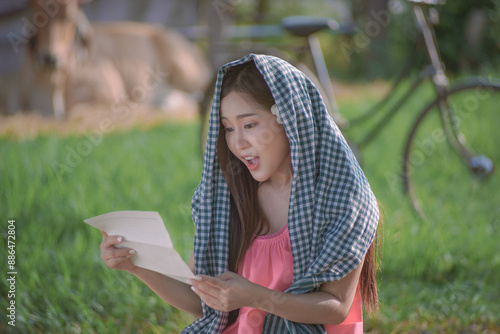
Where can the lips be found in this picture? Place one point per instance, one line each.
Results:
(251, 161)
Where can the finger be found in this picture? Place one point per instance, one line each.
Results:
(213, 282)
(208, 298)
(112, 253)
(209, 289)
(110, 241)
(228, 275)
(117, 262)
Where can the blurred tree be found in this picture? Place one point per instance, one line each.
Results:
(372, 19)
(385, 33)
(469, 34)
(261, 11)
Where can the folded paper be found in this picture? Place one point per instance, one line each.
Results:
(145, 232)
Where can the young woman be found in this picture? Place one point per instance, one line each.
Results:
(285, 218)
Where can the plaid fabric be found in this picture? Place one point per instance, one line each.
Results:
(333, 213)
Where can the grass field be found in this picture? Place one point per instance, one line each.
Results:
(438, 276)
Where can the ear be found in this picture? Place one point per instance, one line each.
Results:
(83, 30)
(32, 40)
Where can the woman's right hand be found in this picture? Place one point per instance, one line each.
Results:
(114, 257)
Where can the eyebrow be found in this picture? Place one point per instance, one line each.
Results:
(240, 116)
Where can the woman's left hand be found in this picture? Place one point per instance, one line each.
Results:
(226, 292)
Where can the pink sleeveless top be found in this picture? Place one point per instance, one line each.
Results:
(269, 263)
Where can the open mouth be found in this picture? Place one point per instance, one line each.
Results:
(251, 161)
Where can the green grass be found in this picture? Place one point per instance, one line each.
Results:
(439, 276)
(62, 284)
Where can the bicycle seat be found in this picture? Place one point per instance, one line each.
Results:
(304, 26)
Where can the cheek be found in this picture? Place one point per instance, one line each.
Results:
(265, 137)
(282, 145)
(230, 142)
(277, 138)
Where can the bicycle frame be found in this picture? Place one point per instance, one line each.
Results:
(323, 77)
(435, 71)
(478, 164)
(441, 83)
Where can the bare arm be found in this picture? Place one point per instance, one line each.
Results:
(329, 306)
(170, 290)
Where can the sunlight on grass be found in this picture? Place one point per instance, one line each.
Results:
(63, 285)
(440, 275)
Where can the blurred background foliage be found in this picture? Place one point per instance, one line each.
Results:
(385, 33)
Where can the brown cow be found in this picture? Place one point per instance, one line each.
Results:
(71, 61)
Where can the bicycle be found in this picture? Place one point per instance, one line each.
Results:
(437, 128)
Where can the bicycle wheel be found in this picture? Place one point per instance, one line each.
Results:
(456, 179)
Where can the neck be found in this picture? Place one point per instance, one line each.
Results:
(282, 178)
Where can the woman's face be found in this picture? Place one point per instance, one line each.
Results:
(254, 136)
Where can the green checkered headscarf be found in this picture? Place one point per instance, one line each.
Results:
(332, 216)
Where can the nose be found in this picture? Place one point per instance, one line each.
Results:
(48, 60)
(240, 140)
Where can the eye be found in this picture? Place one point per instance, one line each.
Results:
(249, 125)
(228, 129)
